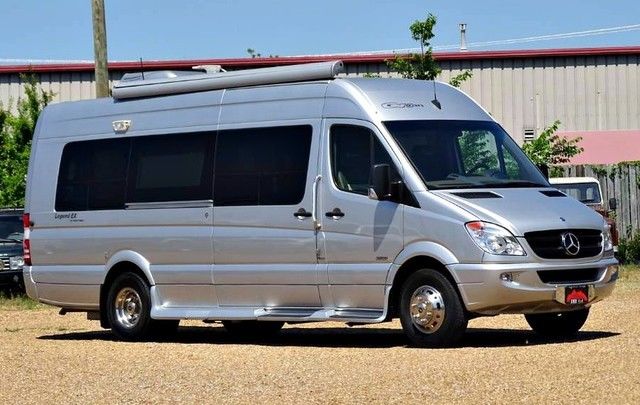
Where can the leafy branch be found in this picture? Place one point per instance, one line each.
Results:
(422, 66)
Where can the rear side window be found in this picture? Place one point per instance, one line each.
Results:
(93, 175)
(262, 166)
(107, 174)
(171, 168)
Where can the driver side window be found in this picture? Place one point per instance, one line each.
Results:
(354, 151)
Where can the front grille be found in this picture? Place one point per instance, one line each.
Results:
(5, 263)
(548, 244)
(569, 276)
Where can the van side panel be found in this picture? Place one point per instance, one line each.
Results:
(70, 249)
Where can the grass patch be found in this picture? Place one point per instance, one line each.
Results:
(630, 273)
(18, 302)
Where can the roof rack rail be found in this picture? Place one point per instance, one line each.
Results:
(125, 89)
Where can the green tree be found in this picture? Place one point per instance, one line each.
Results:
(16, 133)
(422, 66)
(551, 149)
(255, 54)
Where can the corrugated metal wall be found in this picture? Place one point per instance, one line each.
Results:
(584, 93)
(65, 86)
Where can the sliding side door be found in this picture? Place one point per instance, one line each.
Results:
(264, 237)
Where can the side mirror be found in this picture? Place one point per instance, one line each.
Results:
(545, 170)
(613, 204)
(380, 188)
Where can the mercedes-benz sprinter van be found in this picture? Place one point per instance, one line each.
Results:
(290, 194)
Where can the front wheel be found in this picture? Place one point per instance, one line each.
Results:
(559, 324)
(431, 312)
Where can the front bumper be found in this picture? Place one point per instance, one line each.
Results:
(485, 292)
(11, 278)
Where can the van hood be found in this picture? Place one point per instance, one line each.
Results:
(524, 210)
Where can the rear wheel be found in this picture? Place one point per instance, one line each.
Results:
(431, 312)
(559, 324)
(253, 329)
(128, 309)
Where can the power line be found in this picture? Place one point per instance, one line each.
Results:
(484, 44)
(512, 41)
(576, 34)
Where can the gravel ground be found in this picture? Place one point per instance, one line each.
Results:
(48, 358)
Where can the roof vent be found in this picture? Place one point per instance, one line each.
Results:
(158, 75)
(477, 194)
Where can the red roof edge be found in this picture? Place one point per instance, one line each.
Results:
(290, 60)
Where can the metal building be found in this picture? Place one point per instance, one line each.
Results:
(587, 89)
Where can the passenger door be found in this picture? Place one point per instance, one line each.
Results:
(264, 237)
(361, 236)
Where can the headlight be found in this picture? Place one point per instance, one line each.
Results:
(607, 242)
(16, 262)
(494, 239)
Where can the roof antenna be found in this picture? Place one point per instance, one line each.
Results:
(435, 97)
(141, 69)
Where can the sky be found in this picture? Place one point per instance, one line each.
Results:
(199, 29)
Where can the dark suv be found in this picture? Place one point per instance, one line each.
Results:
(11, 260)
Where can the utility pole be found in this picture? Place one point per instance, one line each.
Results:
(100, 48)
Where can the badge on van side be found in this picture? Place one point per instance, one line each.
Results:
(121, 126)
(401, 105)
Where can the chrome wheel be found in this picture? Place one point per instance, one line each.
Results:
(128, 306)
(427, 309)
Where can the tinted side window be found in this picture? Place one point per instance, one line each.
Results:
(262, 166)
(171, 168)
(354, 151)
(93, 175)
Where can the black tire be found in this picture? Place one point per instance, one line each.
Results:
(253, 329)
(559, 324)
(441, 331)
(144, 327)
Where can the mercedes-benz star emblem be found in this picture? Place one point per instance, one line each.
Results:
(570, 243)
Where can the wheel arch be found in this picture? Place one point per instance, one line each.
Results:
(418, 256)
(120, 263)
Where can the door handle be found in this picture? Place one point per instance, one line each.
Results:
(302, 214)
(335, 214)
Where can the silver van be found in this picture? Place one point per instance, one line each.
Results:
(290, 194)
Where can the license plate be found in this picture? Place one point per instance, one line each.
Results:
(574, 295)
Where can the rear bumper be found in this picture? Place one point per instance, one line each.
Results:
(29, 284)
(71, 296)
(485, 292)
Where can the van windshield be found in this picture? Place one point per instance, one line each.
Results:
(465, 154)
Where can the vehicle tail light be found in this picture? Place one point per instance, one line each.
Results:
(26, 244)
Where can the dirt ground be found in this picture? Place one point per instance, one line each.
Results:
(47, 358)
